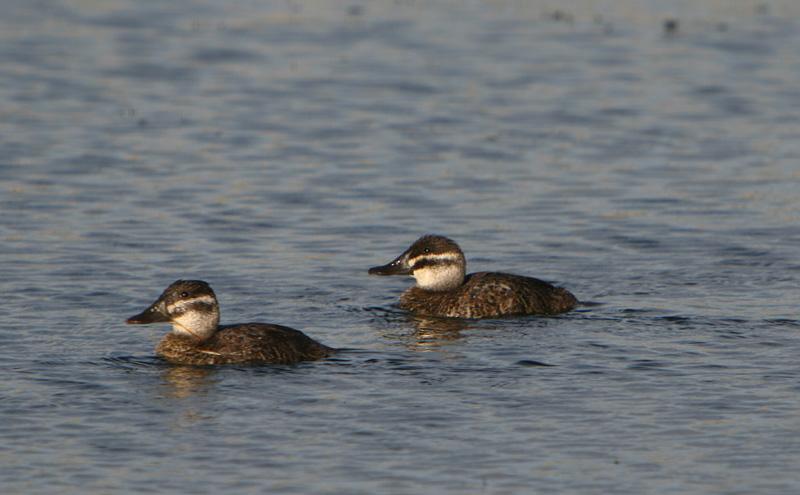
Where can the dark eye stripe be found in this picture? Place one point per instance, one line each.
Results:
(423, 262)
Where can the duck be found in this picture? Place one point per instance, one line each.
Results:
(197, 338)
(444, 289)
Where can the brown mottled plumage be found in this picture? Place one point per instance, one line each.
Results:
(197, 338)
(444, 289)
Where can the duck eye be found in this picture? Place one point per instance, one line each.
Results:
(426, 251)
(184, 294)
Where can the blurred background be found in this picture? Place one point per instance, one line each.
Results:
(642, 154)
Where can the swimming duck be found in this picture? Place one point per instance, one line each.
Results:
(444, 289)
(198, 338)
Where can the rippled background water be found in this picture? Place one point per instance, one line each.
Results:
(279, 149)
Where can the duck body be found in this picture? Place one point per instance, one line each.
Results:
(244, 343)
(444, 289)
(198, 338)
(487, 294)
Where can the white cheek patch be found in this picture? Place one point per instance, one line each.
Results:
(187, 319)
(439, 277)
(191, 322)
(427, 278)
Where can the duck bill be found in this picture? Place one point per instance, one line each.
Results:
(396, 267)
(150, 315)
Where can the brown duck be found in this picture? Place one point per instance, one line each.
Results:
(444, 289)
(198, 338)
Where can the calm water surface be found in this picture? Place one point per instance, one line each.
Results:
(278, 150)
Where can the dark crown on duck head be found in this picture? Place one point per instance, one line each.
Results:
(196, 294)
(432, 250)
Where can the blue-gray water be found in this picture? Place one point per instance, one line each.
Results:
(278, 150)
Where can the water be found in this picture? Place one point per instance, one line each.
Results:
(279, 150)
